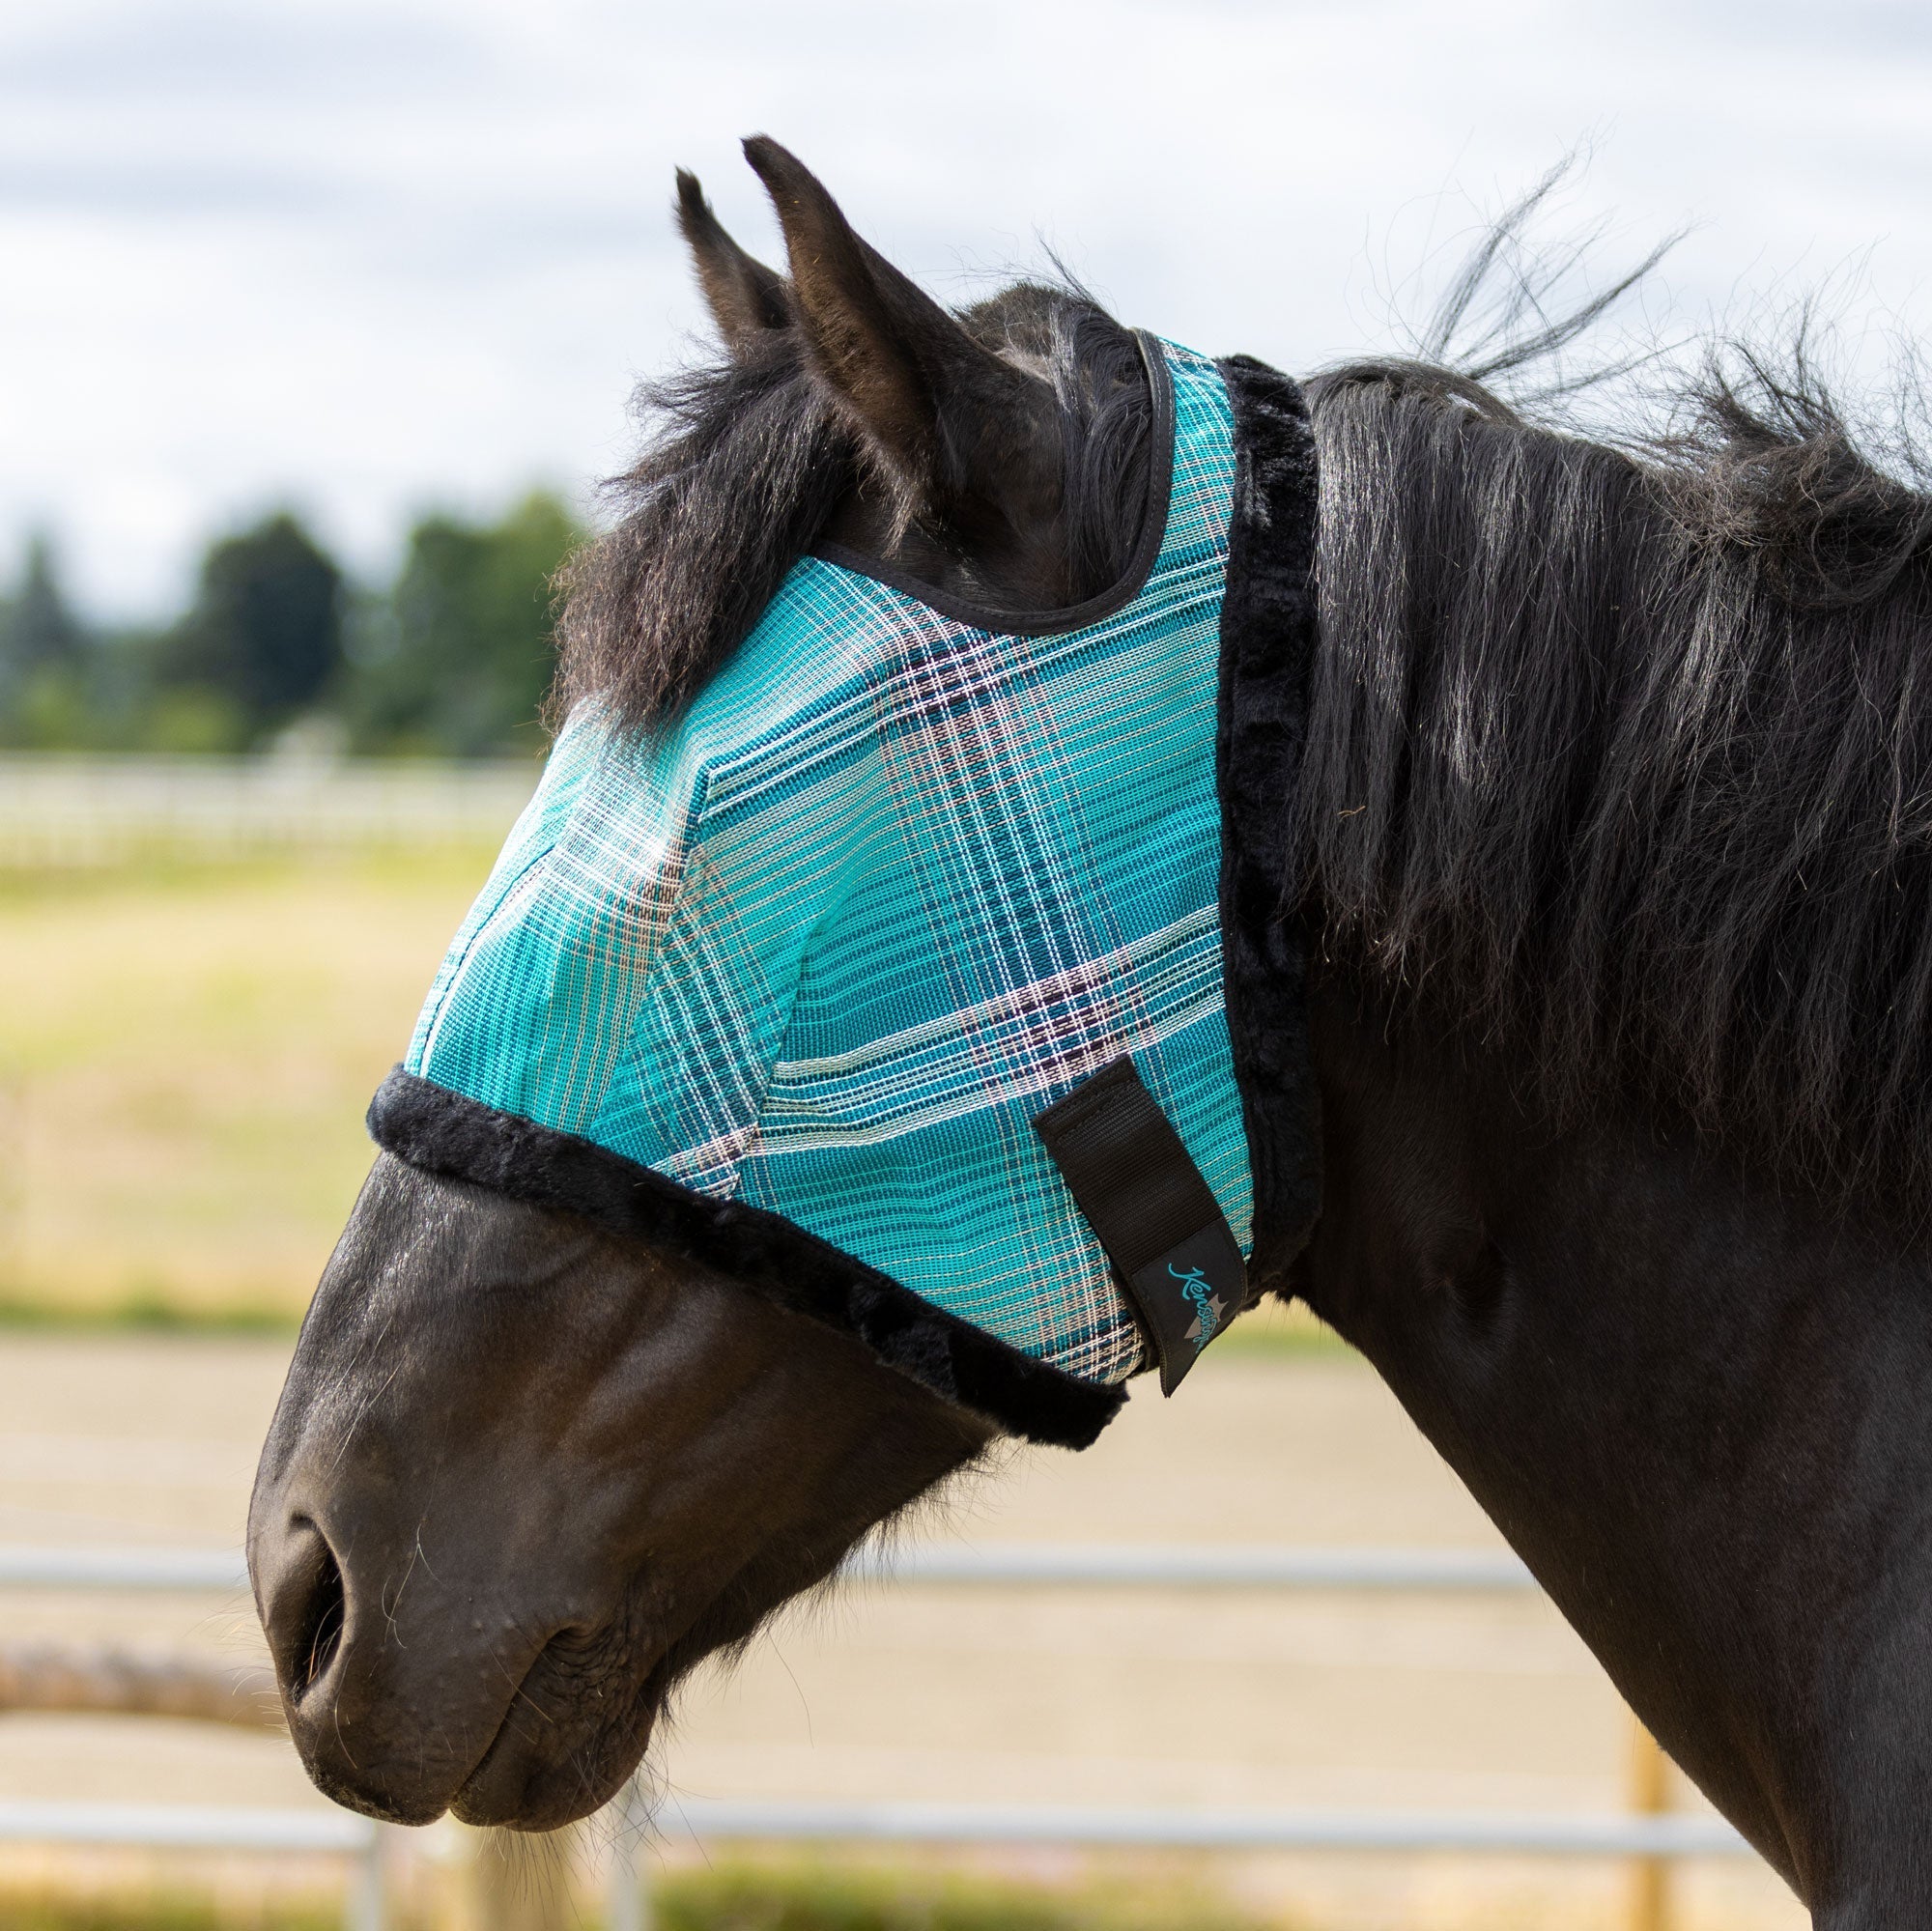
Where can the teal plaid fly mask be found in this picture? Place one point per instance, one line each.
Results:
(894, 883)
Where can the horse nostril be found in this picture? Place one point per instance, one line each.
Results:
(317, 1631)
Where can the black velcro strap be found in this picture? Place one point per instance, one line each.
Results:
(1156, 1217)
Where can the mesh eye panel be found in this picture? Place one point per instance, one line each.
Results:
(891, 886)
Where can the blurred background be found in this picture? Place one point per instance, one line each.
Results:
(318, 323)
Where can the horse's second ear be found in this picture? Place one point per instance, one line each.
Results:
(747, 299)
(919, 386)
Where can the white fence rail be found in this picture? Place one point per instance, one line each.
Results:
(1518, 1832)
(1014, 1565)
(199, 1826)
(23, 1566)
(60, 810)
(989, 1564)
(185, 1826)
(1189, 1566)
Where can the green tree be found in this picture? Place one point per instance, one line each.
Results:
(40, 628)
(44, 651)
(262, 642)
(457, 657)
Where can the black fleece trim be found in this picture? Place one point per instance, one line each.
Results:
(445, 1132)
(1269, 632)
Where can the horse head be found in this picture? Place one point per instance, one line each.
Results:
(525, 1472)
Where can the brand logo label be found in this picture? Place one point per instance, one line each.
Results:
(1208, 1306)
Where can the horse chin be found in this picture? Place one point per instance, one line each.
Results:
(540, 1775)
(518, 1789)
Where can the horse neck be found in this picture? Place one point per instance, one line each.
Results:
(1695, 1406)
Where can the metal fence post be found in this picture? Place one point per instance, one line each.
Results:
(521, 1880)
(628, 1902)
(1648, 1797)
(366, 1908)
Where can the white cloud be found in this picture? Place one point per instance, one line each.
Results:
(366, 258)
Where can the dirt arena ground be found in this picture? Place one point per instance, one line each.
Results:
(1059, 1696)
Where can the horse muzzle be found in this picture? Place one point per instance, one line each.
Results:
(408, 1693)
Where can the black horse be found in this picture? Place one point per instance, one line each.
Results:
(1615, 819)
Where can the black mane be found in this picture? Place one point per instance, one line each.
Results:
(1624, 756)
(745, 462)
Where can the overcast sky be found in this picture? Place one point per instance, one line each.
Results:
(368, 259)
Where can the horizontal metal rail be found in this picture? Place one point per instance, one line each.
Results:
(65, 809)
(1529, 1832)
(1194, 1566)
(990, 1565)
(187, 1827)
(25, 1567)
(200, 1827)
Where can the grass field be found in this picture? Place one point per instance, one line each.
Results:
(184, 1057)
(790, 1893)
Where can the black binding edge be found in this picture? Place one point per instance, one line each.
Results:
(1271, 629)
(445, 1132)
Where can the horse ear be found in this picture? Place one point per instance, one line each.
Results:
(748, 301)
(928, 398)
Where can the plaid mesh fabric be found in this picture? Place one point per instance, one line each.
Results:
(890, 887)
